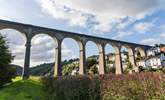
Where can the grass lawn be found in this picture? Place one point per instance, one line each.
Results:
(31, 89)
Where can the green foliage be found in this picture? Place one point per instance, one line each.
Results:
(93, 70)
(47, 69)
(91, 62)
(91, 66)
(129, 67)
(69, 67)
(6, 72)
(72, 88)
(163, 70)
(43, 69)
(110, 70)
(150, 69)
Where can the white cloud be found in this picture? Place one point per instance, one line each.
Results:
(143, 27)
(121, 34)
(67, 53)
(162, 27)
(124, 24)
(154, 40)
(113, 8)
(58, 11)
(4, 17)
(151, 41)
(162, 35)
(78, 19)
(105, 12)
(138, 28)
(42, 50)
(16, 44)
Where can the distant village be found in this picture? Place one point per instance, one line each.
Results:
(155, 58)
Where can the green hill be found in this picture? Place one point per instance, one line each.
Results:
(48, 68)
(30, 89)
(42, 69)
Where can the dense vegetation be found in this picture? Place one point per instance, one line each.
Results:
(6, 72)
(143, 86)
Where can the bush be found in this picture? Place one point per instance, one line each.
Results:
(6, 71)
(110, 70)
(143, 86)
(163, 70)
(72, 88)
(132, 87)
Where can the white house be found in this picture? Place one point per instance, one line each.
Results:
(154, 62)
(141, 63)
(155, 58)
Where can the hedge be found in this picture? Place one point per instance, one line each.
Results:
(143, 86)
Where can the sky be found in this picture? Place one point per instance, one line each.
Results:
(138, 21)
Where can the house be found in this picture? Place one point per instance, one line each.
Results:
(141, 62)
(110, 59)
(124, 56)
(155, 58)
(157, 61)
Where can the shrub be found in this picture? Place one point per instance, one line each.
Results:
(110, 70)
(163, 70)
(132, 87)
(72, 88)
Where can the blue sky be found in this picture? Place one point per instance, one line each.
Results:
(139, 21)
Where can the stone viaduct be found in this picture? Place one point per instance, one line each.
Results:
(30, 31)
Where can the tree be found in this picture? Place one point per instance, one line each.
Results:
(129, 67)
(161, 45)
(69, 66)
(91, 66)
(6, 71)
(91, 62)
(93, 69)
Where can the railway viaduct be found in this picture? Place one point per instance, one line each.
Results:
(58, 35)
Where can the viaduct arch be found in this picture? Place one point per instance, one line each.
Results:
(30, 31)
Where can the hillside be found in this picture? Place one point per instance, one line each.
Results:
(30, 89)
(47, 68)
(42, 69)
